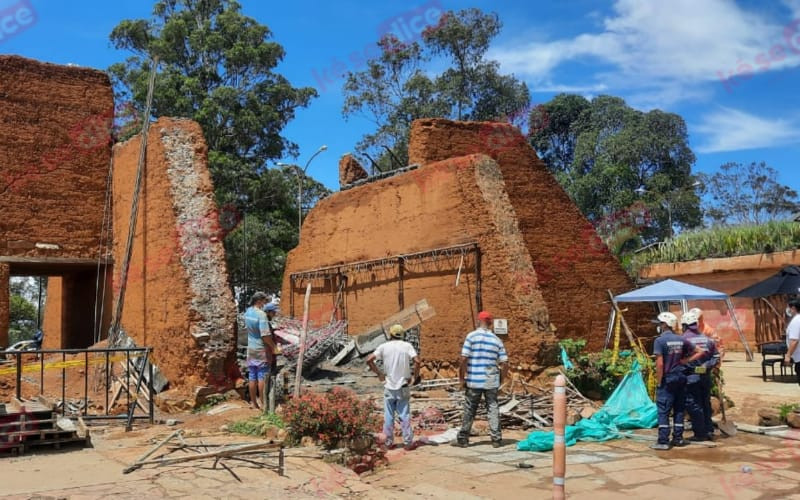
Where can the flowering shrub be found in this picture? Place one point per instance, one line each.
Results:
(331, 417)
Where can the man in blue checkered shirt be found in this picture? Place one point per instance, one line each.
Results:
(484, 367)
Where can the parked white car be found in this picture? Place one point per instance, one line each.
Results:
(23, 345)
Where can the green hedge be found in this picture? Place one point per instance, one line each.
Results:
(722, 241)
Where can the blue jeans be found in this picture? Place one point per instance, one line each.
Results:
(670, 398)
(397, 401)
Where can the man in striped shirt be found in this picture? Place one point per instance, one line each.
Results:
(484, 367)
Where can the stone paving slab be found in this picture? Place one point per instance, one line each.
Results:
(584, 458)
(512, 456)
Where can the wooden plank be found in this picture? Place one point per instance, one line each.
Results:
(138, 462)
(225, 452)
(343, 353)
(409, 317)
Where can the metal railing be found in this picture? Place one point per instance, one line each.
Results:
(135, 374)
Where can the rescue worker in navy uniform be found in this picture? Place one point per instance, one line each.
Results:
(698, 379)
(672, 353)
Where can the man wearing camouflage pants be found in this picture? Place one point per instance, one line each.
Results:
(484, 367)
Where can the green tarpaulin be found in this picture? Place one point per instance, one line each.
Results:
(629, 407)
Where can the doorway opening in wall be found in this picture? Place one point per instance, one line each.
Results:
(68, 301)
(25, 301)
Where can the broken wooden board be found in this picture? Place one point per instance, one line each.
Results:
(343, 353)
(408, 318)
(506, 408)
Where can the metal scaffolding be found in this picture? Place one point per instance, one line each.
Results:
(396, 267)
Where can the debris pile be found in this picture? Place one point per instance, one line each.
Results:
(533, 408)
(199, 450)
(320, 342)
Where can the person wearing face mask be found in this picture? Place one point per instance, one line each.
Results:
(672, 353)
(708, 331)
(698, 379)
(793, 338)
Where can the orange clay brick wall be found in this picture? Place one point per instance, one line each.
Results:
(55, 149)
(455, 201)
(177, 297)
(574, 269)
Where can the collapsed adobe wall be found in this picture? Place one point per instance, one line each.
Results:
(55, 149)
(573, 268)
(455, 201)
(177, 297)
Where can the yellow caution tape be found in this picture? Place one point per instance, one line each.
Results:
(55, 365)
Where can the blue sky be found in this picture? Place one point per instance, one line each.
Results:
(666, 55)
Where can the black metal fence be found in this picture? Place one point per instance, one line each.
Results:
(138, 375)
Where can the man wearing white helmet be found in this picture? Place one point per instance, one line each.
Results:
(698, 380)
(708, 331)
(397, 356)
(672, 353)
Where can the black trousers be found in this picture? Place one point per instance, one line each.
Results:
(797, 372)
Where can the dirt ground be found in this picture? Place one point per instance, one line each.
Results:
(747, 466)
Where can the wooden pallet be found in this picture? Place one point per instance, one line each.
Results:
(27, 424)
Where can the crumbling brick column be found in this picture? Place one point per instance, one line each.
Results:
(5, 289)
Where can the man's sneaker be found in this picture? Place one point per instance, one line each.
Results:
(699, 439)
(459, 444)
(410, 446)
(659, 446)
(680, 443)
(497, 444)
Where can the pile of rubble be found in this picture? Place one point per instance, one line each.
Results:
(528, 408)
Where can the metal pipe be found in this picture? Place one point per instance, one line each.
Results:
(41, 375)
(128, 380)
(19, 374)
(139, 378)
(478, 297)
(401, 300)
(81, 351)
(114, 417)
(416, 255)
(63, 384)
(152, 392)
(108, 386)
(86, 383)
(559, 443)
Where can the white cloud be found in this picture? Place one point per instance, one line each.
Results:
(730, 129)
(658, 45)
(572, 89)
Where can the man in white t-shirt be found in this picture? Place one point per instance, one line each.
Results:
(397, 356)
(793, 338)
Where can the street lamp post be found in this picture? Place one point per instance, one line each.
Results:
(301, 173)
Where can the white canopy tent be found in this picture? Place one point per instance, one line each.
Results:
(671, 291)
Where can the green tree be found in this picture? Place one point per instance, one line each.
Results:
(608, 155)
(748, 194)
(22, 319)
(217, 66)
(401, 86)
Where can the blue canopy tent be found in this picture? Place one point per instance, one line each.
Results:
(671, 290)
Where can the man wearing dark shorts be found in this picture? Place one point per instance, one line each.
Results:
(260, 347)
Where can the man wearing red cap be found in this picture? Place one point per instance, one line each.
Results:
(484, 366)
